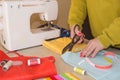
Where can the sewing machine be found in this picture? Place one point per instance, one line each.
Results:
(15, 19)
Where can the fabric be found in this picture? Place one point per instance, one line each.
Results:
(63, 76)
(25, 72)
(74, 60)
(104, 17)
(58, 44)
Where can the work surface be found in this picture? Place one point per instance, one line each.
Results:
(61, 67)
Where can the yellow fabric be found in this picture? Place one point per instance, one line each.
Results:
(104, 17)
(73, 77)
(57, 45)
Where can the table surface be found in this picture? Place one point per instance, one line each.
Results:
(61, 66)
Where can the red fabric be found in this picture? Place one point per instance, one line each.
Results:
(23, 72)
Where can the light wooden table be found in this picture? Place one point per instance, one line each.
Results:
(61, 66)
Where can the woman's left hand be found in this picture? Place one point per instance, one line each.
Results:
(92, 48)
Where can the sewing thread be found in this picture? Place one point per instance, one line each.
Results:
(7, 65)
(79, 70)
(33, 61)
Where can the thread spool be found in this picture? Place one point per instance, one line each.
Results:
(33, 61)
(79, 70)
(7, 65)
(3, 62)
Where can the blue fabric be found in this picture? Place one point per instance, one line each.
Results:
(113, 73)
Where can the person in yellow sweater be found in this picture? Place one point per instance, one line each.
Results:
(104, 19)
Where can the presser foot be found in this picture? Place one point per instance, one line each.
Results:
(46, 27)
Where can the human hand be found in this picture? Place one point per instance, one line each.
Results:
(75, 29)
(92, 48)
(72, 33)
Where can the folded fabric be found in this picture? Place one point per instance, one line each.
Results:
(75, 60)
(24, 72)
(58, 44)
(63, 76)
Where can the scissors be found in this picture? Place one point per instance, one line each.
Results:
(79, 36)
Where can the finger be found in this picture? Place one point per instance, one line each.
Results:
(90, 51)
(84, 51)
(87, 48)
(93, 50)
(71, 34)
(72, 31)
(80, 41)
(94, 53)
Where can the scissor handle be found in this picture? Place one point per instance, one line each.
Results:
(78, 35)
(76, 26)
(75, 39)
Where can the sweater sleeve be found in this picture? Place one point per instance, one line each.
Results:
(77, 13)
(111, 35)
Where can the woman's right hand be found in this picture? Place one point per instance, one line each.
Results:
(73, 32)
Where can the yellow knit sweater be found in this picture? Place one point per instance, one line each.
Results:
(104, 17)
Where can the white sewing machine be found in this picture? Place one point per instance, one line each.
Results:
(15, 19)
